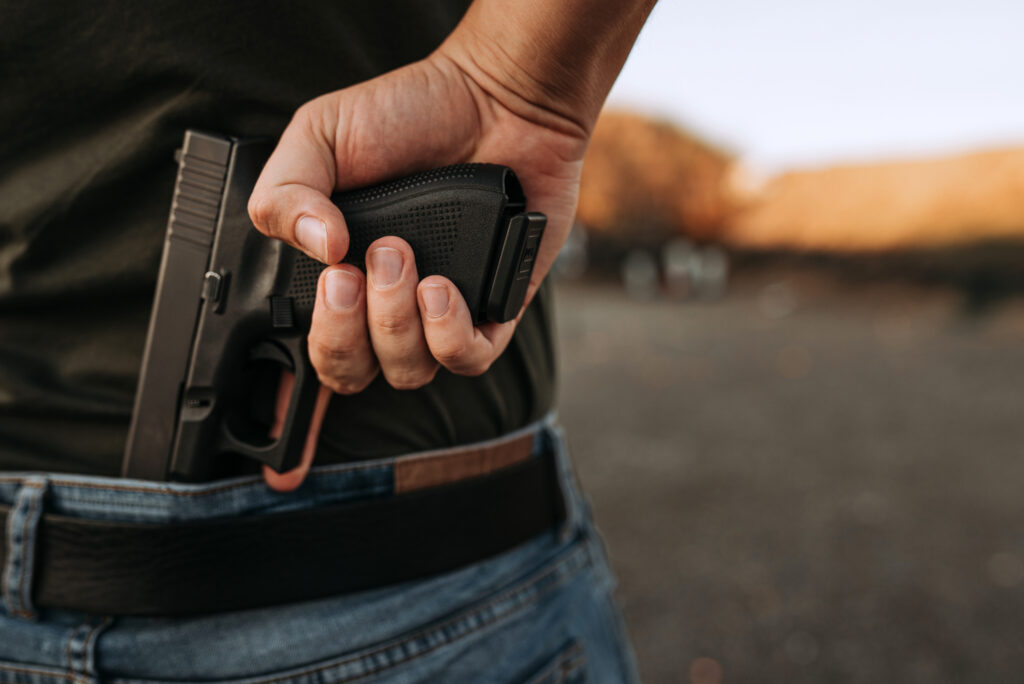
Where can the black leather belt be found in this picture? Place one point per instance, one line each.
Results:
(116, 568)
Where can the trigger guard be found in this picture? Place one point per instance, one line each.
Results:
(270, 351)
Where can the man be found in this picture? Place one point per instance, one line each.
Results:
(95, 99)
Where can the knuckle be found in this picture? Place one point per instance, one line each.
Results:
(309, 120)
(303, 115)
(472, 368)
(334, 384)
(409, 378)
(260, 212)
(331, 351)
(348, 384)
(392, 325)
(404, 382)
(451, 355)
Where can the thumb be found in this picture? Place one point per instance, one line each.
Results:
(291, 198)
(291, 479)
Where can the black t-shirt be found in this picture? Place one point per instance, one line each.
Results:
(94, 99)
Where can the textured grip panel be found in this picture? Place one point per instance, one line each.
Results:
(305, 274)
(376, 192)
(430, 228)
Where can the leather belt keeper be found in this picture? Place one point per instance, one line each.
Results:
(118, 568)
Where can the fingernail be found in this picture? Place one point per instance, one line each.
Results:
(311, 233)
(342, 290)
(385, 266)
(435, 298)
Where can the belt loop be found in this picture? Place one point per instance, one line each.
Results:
(22, 525)
(81, 649)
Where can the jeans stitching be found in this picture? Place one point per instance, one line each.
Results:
(13, 599)
(568, 661)
(26, 549)
(71, 484)
(86, 664)
(579, 555)
(32, 671)
(571, 667)
(382, 489)
(71, 643)
(9, 563)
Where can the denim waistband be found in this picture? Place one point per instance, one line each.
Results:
(127, 500)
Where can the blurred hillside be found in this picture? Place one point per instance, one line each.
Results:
(923, 203)
(652, 177)
(644, 178)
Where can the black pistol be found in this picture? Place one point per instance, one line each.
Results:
(232, 305)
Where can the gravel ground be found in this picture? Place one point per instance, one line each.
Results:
(805, 481)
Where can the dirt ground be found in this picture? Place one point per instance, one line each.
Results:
(805, 481)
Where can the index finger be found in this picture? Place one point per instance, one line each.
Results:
(291, 199)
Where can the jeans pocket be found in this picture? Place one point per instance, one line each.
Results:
(497, 637)
(567, 666)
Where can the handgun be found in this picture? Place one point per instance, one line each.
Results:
(233, 306)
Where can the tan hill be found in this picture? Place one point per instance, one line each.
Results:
(651, 177)
(937, 202)
(644, 178)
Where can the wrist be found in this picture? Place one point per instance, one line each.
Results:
(553, 60)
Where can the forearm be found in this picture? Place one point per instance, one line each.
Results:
(556, 56)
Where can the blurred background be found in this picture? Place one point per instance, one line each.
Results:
(791, 320)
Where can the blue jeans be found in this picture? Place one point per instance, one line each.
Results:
(541, 612)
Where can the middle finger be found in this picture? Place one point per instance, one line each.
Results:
(396, 330)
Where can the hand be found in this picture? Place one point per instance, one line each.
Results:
(468, 101)
(427, 114)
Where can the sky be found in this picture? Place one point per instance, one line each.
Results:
(797, 83)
